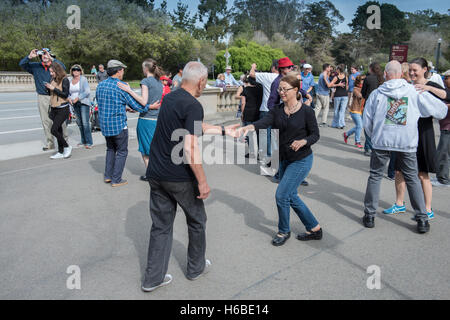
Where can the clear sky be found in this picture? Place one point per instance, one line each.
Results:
(347, 8)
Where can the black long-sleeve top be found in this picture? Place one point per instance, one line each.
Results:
(297, 126)
(65, 93)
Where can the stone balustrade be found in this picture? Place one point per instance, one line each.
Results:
(214, 100)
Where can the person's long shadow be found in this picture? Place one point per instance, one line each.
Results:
(340, 146)
(362, 165)
(331, 193)
(253, 215)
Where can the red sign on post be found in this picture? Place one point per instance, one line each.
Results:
(399, 52)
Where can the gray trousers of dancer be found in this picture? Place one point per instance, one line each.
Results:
(408, 166)
(164, 197)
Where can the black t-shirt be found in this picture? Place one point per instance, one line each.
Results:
(180, 115)
(253, 100)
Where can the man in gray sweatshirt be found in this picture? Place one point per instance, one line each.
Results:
(390, 119)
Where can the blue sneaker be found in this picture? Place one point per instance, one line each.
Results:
(430, 215)
(395, 209)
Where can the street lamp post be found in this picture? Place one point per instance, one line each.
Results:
(438, 53)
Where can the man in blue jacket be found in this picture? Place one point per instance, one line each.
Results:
(41, 73)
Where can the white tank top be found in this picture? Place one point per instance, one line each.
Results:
(74, 90)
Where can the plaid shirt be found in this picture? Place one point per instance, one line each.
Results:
(112, 102)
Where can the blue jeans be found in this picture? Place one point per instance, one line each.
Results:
(340, 105)
(82, 113)
(357, 119)
(116, 156)
(292, 174)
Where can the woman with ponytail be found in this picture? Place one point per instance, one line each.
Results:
(298, 130)
(151, 90)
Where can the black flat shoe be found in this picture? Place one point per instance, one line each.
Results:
(304, 183)
(423, 226)
(313, 235)
(143, 178)
(280, 239)
(369, 222)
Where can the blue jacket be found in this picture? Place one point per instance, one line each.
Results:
(39, 72)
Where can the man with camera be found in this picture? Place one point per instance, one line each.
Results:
(41, 73)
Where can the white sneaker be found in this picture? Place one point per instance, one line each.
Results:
(57, 156)
(167, 280)
(67, 152)
(205, 271)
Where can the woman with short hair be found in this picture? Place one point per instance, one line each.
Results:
(79, 99)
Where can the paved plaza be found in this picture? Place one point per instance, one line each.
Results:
(58, 214)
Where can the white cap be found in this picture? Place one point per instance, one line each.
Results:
(307, 66)
(228, 68)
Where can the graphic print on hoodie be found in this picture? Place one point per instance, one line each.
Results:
(397, 111)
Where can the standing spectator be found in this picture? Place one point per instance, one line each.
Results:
(307, 81)
(443, 149)
(340, 97)
(176, 182)
(373, 80)
(79, 99)
(356, 109)
(229, 79)
(152, 91)
(101, 74)
(94, 70)
(176, 81)
(59, 111)
(112, 102)
(265, 79)
(390, 117)
(166, 86)
(251, 99)
(351, 82)
(298, 132)
(220, 81)
(41, 74)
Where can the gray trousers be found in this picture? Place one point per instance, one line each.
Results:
(164, 197)
(408, 166)
(443, 157)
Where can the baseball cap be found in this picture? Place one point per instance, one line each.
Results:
(284, 62)
(307, 66)
(115, 64)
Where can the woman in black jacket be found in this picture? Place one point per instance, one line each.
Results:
(59, 108)
(298, 130)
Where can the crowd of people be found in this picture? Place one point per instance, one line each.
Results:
(394, 108)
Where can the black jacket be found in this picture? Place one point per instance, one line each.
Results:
(370, 84)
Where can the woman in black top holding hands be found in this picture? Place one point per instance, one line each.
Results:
(298, 131)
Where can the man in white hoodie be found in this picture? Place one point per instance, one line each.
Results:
(390, 119)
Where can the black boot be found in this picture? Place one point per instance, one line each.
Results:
(369, 221)
(313, 235)
(423, 226)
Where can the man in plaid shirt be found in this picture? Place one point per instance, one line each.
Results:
(112, 113)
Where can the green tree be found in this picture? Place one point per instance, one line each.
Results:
(394, 28)
(215, 15)
(181, 18)
(343, 50)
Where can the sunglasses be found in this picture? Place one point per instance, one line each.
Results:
(76, 69)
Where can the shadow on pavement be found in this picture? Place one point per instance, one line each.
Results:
(253, 215)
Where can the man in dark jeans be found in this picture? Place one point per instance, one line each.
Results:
(112, 102)
(179, 179)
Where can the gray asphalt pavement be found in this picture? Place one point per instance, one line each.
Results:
(57, 214)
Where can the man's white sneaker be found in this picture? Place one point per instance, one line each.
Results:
(57, 156)
(167, 280)
(67, 152)
(205, 271)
